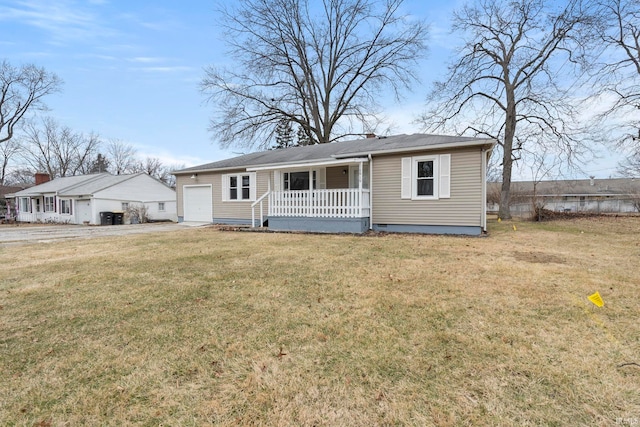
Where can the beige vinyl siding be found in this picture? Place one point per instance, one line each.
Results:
(231, 209)
(463, 208)
(337, 179)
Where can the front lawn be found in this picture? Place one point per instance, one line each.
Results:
(204, 326)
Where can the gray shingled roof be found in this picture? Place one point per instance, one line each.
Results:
(93, 186)
(337, 150)
(76, 185)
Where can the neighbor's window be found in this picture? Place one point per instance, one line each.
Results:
(49, 205)
(239, 186)
(25, 204)
(161, 206)
(65, 206)
(125, 206)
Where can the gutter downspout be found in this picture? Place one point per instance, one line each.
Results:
(370, 191)
(483, 216)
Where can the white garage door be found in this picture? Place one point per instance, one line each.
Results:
(198, 204)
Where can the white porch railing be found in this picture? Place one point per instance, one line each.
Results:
(334, 203)
(29, 217)
(253, 210)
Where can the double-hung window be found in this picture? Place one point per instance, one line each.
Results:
(25, 204)
(49, 204)
(239, 187)
(65, 206)
(426, 177)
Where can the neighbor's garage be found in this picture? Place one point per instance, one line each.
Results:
(198, 203)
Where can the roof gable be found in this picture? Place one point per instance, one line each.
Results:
(76, 185)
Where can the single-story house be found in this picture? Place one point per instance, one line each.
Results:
(80, 199)
(405, 183)
(614, 195)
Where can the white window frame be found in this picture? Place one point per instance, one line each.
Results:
(49, 206)
(286, 177)
(160, 206)
(124, 206)
(441, 177)
(226, 187)
(68, 209)
(25, 202)
(414, 178)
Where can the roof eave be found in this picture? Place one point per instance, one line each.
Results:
(487, 143)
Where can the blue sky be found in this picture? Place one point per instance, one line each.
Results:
(131, 69)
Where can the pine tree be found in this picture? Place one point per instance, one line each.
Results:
(100, 164)
(284, 134)
(303, 138)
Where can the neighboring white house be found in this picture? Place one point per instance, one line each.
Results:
(81, 199)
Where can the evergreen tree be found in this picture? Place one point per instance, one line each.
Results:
(284, 134)
(303, 138)
(100, 164)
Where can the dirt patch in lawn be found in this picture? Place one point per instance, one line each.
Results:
(539, 257)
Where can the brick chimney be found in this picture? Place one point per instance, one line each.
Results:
(371, 135)
(41, 178)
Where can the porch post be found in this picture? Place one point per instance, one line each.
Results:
(359, 190)
(310, 201)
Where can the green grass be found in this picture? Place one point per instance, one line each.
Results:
(202, 326)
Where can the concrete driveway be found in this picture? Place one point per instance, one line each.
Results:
(22, 234)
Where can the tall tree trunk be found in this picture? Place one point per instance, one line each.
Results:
(507, 156)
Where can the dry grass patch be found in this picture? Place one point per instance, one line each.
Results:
(204, 326)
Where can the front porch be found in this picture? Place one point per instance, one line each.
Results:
(328, 203)
(317, 206)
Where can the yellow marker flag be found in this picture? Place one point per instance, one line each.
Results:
(596, 299)
(514, 227)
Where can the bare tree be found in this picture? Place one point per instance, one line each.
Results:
(21, 90)
(151, 166)
(58, 150)
(19, 176)
(154, 167)
(8, 151)
(320, 65)
(542, 165)
(618, 75)
(507, 80)
(630, 167)
(122, 157)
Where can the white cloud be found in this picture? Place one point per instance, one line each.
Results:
(168, 69)
(147, 59)
(64, 20)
